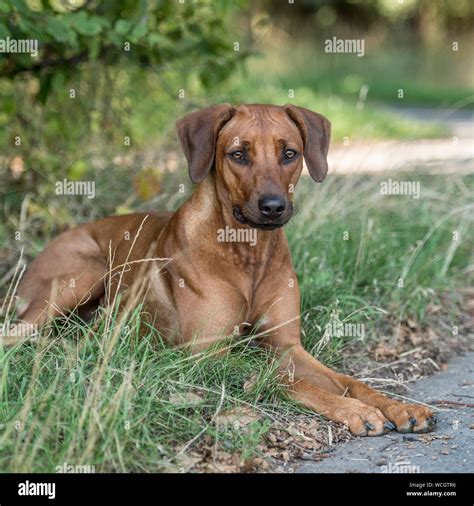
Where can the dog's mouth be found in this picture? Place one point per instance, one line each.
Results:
(266, 225)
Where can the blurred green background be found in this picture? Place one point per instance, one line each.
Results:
(111, 78)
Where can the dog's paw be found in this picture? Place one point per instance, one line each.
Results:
(361, 419)
(410, 417)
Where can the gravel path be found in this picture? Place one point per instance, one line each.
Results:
(450, 449)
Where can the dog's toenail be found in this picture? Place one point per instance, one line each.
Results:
(370, 426)
(389, 425)
(412, 421)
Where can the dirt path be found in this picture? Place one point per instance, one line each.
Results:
(450, 449)
(454, 154)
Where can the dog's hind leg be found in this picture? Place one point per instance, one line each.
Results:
(67, 274)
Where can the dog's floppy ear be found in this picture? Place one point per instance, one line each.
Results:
(198, 134)
(316, 132)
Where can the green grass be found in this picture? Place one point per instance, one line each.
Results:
(109, 400)
(98, 395)
(352, 247)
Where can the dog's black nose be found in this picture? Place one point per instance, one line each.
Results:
(271, 206)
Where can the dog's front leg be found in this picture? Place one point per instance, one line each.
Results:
(364, 410)
(308, 382)
(337, 396)
(312, 384)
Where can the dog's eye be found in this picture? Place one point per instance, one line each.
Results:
(290, 154)
(238, 155)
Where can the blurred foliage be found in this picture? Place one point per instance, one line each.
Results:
(153, 33)
(109, 78)
(428, 19)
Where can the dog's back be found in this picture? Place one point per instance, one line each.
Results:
(74, 269)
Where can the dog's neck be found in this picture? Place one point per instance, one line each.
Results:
(207, 214)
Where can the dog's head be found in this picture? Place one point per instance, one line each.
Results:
(257, 153)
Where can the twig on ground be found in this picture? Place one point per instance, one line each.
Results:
(443, 402)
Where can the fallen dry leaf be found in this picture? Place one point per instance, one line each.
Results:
(147, 183)
(470, 307)
(17, 167)
(383, 352)
(185, 462)
(433, 308)
(412, 324)
(293, 431)
(185, 398)
(250, 383)
(237, 417)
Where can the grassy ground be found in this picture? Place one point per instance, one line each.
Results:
(99, 396)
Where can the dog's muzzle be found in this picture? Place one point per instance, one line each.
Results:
(261, 221)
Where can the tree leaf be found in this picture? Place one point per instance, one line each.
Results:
(4, 31)
(122, 26)
(138, 32)
(59, 30)
(85, 24)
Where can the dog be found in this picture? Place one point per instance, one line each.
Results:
(246, 161)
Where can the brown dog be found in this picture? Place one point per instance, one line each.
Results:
(246, 161)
